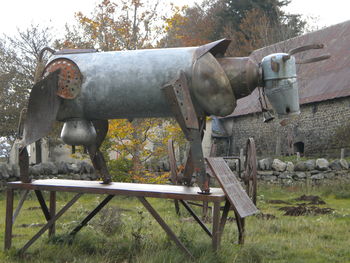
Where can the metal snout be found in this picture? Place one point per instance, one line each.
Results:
(280, 84)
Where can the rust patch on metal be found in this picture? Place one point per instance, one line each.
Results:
(70, 77)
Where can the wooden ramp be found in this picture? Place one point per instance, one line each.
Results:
(235, 193)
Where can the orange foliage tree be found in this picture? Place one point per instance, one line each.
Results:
(144, 140)
(188, 26)
(127, 25)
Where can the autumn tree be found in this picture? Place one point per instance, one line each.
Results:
(144, 139)
(231, 13)
(188, 26)
(256, 31)
(251, 24)
(18, 56)
(125, 25)
(121, 25)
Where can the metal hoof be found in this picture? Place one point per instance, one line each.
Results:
(106, 181)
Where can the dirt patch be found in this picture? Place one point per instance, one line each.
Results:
(265, 216)
(278, 202)
(313, 199)
(302, 210)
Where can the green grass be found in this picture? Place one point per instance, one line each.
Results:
(125, 232)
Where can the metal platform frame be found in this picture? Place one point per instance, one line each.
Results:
(141, 191)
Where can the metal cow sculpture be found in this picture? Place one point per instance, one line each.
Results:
(85, 88)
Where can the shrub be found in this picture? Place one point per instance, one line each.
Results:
(109, 221)
(119, 169)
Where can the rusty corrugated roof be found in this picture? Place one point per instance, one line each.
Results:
(325, 80)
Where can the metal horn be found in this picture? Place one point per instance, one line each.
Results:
(305, 48)
(315, 59)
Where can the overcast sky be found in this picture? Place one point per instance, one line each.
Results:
(20, 13)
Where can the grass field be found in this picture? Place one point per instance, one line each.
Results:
(125, 232)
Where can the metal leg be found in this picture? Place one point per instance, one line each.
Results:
(180, 102)
(216, 226)
(50, 223)
(91, 215)
(199, 221)
(8, 222)
(188, 170)
(99, 164)
(202, 178)
(20, 204)
(52, 229)
(96, 156)
(165, 227)
(23, 162)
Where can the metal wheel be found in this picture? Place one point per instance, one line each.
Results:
(250, 172)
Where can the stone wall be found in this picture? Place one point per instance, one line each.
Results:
(275, 170)
(61, 170)
(313, 170)
(314, 129)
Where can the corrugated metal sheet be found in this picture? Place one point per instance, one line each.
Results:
(325, 80)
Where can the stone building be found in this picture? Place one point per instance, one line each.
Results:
(323, 127)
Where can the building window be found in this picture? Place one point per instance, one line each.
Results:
(299, 147)
(314, 108)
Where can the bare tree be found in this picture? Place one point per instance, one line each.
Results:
(18, 59)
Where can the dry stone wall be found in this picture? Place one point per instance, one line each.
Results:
(315, 170)
(61, 170)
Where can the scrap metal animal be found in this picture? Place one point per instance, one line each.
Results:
(86, 88)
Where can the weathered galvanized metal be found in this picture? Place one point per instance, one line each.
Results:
(42, 109)
(126, 84)
(280, 81)
(78, 132)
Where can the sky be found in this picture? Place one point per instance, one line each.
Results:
(21, 13)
